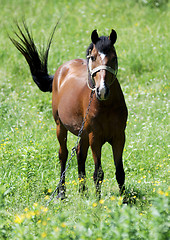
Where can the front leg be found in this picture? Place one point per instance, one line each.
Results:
(98, 175)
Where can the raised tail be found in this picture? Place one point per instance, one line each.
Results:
(37, 61)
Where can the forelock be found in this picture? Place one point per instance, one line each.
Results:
(103, 45)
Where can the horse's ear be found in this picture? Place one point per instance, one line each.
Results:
(113, 36)
(94, 37)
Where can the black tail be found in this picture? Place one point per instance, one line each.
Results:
(37, 60)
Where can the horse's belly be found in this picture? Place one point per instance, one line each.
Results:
(70, 108)
(71, 117)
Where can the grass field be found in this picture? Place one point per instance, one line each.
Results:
(29, 166)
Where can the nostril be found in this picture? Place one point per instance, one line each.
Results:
(102, 94)
(98, 92)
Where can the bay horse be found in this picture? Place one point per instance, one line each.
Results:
(71, 87)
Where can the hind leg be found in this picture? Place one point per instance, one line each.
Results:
(63, 154)
(117, 147)
(82, 150)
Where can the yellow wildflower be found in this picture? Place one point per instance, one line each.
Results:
(63, 225)
(94, 204)
(44, 223)
(32, 213)
(18, 219)
(37, 212)
(35, 204)
(112, 198)
(28, 215)
(101, 201)
(44, 235)
(120, 201)
(56, 229)
(160, 192)
(26, 209)
(44, 209)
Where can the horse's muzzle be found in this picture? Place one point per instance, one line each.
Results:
(102, 94)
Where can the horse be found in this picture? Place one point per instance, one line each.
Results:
(71, 88)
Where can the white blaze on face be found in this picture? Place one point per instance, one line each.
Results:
(102, 55)
(102, 89)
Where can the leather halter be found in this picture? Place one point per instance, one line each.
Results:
(97, 69)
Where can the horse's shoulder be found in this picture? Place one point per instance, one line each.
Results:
(73, 72)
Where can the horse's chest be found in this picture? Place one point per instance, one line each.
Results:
(107, 123)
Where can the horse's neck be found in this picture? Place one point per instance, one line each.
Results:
(116, 94)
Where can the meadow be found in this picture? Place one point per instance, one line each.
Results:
(29, 164)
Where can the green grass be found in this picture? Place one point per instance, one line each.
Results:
(29, 148)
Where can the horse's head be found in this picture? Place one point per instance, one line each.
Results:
(102, 64)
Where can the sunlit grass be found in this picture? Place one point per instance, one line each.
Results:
(30, 167)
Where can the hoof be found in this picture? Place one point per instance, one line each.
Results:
(122, 190)
(61, 196)
(125, 200)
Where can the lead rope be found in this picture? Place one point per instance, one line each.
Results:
(73, 150)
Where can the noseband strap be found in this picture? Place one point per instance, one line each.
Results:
(97, 69)
(103, 67)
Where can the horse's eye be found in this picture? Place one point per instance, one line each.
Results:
(92, 58)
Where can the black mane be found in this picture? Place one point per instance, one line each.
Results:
(103, 45)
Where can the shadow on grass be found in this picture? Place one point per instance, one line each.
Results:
(135, 196)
